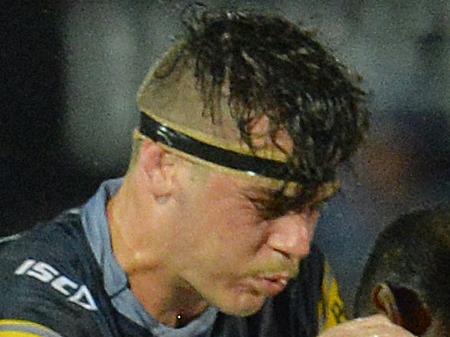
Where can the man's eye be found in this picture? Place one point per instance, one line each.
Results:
(258, 205)
(254, 206)
(260, 210)
(264, 205)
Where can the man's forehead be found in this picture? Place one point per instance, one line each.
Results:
(265, 189)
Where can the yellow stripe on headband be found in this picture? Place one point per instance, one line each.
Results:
(291, 188)
(274, 153)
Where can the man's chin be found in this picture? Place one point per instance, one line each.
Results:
(245, 305)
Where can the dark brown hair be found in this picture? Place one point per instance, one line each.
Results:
(274, 67)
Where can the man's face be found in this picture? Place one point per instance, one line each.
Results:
(223, 247)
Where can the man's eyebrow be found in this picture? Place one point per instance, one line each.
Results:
(259, 192)
(276, 202)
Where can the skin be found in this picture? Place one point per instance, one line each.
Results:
(427, 323)
(189, 237)
(372, 326)
(239, 246)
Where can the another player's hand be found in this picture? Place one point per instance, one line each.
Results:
(372, 326)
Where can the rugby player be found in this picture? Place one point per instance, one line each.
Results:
(243, 123)
(406, 274)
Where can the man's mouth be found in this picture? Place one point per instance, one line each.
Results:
(269, 285)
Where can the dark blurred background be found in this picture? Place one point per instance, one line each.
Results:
(70, 71)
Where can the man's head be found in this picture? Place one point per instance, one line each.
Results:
(406, 275)
(243, 125)
(232, 69)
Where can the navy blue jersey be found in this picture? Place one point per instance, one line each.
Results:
(52, 286)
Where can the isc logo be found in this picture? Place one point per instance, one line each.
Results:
(75, 293)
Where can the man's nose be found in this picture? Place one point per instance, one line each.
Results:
(291, 234)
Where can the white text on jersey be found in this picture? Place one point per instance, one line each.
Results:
(75, 293)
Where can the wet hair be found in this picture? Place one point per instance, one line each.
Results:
(412, 255)
(272, 67)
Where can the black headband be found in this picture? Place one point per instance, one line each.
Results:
(163, 134)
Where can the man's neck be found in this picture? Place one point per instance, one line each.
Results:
(168, 299)
(170, 305)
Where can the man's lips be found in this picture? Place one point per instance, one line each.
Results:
(269, 285)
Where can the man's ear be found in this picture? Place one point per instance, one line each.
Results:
(403, 306)
(158, 167)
